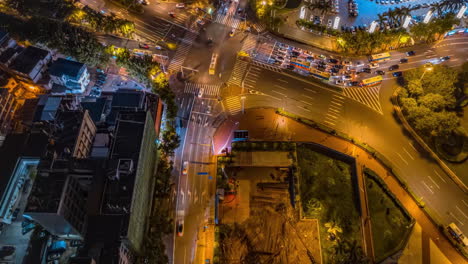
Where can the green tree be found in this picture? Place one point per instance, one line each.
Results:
(435, 102)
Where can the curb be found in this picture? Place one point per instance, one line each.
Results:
(421, 142)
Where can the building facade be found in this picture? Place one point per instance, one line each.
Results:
(72, 75)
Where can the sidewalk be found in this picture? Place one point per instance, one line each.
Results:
(290, 129)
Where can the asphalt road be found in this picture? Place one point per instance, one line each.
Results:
(379, 129)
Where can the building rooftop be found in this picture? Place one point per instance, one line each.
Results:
(69, 68)
(95, 106)
(7, 55)
(28, 59)
(32, 145)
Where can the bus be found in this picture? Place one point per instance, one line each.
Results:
(457, 234)
(380, 57)
(303, 65)
(214, 59)
(320, 74)
(376, 80)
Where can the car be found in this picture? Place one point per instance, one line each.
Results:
(200, 93)
(290, 67)
(335, 70)
(347, 77)
(373, 65)
(180, 227)
(172, 14)
(329, 24)
(15, 213)
(339, 82)
(397, 74)
(208, 111)
(404, 60)
(200, 22)
(54, 255)
(410, 53)
(231, 33)
(332, 60)
(359, 63)
(143, 45)
(366, 70)
(338, 66)
(355, 83)
(380, 72)
(144, 2)
(185, 168)
(158, 47)
(180, 5)
(444, 58)
(347, 63)
(393, 67)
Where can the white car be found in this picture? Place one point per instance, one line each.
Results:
(373, 65)
(200, 93)
(180, 5)
(359, 64)
(185, 168)
(329, 23)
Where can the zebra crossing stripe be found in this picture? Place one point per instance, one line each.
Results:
(233, 104)
(182, 51)
(238, 73)
(366, 96)
(208, 89)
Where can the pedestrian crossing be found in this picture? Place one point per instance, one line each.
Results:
(266, 66)
(238, 73)
(334, 110)
(249, 43)
(207, 89)
(250, 79)
(369, 96)
(227, 20)
(182, 51)
(259, 27)
(233, 104)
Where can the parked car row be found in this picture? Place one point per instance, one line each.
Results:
(100, 80)
(353, 8)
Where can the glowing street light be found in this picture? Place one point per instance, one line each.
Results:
(427, 67)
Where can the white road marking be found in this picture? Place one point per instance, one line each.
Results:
(334, 110)
(339, 96)
(466, 204)
(305, 102)
(329, 122)
(310, 97)
(281, 80)
(408, 153)
(411, 145)
(304, 108)
(281, 87)
(401, 157)
(427, 186)
(434, 182)
(335, 103)
(450, 213)
(440, 177)
(310, 90)
(278, 92)
(333, 116)
(461, 212)
(335, 107)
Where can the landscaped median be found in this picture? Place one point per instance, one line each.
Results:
(391, 223)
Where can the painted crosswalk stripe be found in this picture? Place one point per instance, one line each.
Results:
(208, 89)
(238, 73)
(368, 96)
(233, 104)
(182, 51)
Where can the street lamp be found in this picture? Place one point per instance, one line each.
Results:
(427, 67)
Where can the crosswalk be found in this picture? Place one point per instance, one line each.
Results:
(250, 79)
(152, 31)
(227, 20)
(369, 96)
(260, 27)
(182, 51)
(249, 43)
(334, 110)
(208, 89)
(238, 73)
(266, 66)
(233, 104)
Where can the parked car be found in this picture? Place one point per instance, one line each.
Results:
(332, 60)
(373, 65)
(366, 70)
(393, 67)
(180, 5)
